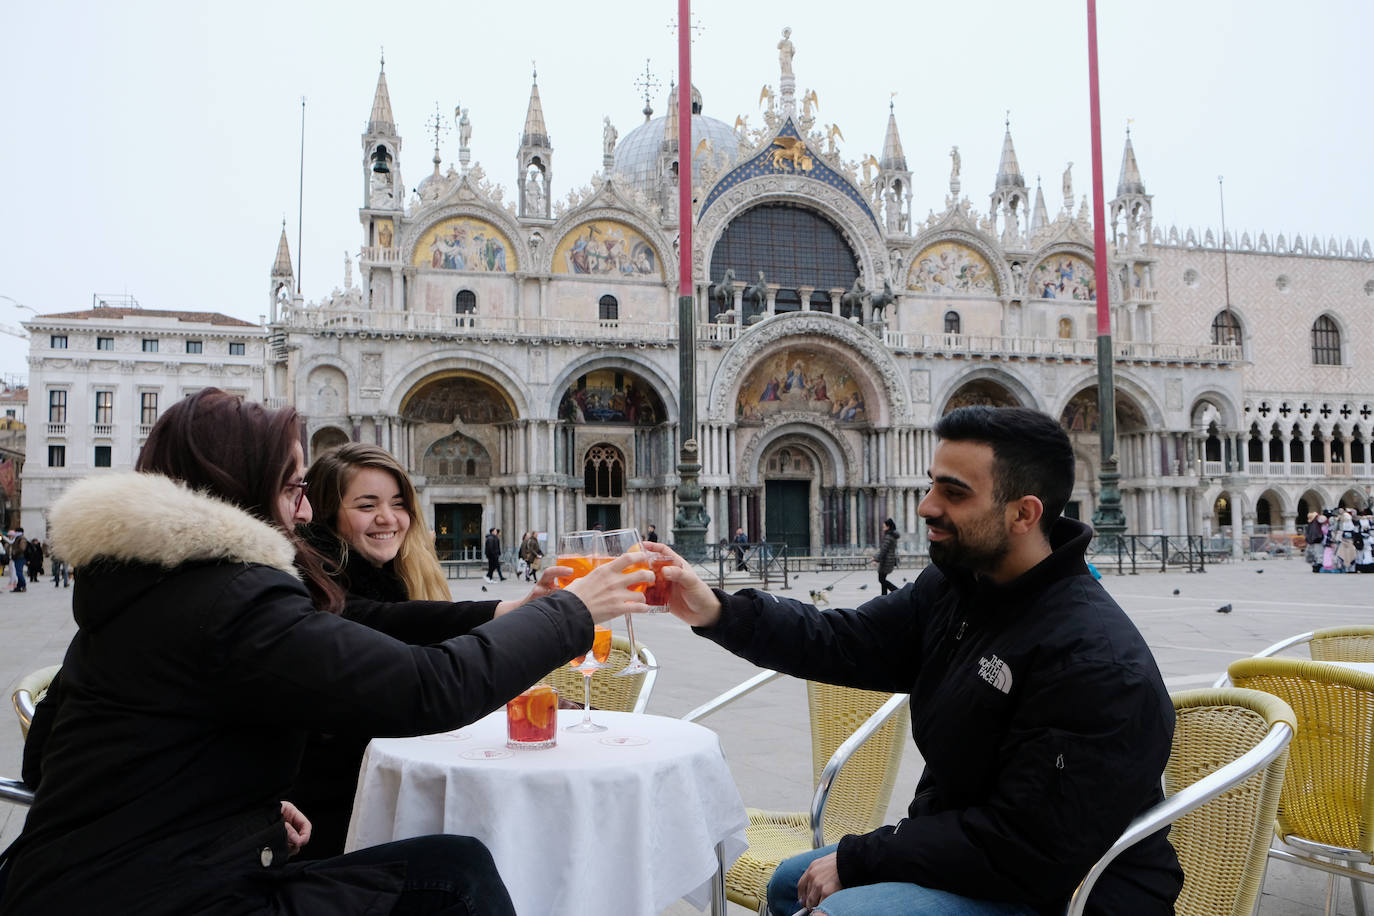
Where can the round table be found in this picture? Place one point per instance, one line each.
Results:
(624, 821)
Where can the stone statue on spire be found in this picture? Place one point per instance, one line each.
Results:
(785, 52)
(1068, 187)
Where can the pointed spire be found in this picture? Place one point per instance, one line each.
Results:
(536, 134)
(282, 266)
(1008, 170)
(670, 130)
(1040, 216)
(1130, 181)
(381, 121)
(893, 157)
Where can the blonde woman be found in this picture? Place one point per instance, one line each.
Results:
(370, 531)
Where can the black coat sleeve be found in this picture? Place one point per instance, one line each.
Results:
(872, 647)
(280, 661)
(44, 714)
(419, 623)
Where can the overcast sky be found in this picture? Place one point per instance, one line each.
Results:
(153, 148)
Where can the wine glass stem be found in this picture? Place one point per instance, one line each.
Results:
(586, 698)
(634, 648)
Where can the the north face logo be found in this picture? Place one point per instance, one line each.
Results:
(995, 672)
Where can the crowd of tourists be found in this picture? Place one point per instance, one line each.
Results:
(1340, 540)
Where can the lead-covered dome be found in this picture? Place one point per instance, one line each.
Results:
(637, 154)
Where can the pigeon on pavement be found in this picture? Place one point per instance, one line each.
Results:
(1224, 609)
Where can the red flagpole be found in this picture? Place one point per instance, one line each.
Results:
(1104, 320)
(684, 148)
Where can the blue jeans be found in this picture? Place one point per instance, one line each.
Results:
(887, 898)
(19, 583)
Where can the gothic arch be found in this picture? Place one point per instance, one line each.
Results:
(1228, 414)
(666, 388)
(608, 205)
(855, 226)
(325, 439)
(821, 431)
(476, 209)
(1016, 387)
(970, 238)
(1124, 384)
(1083, 253)
(430, 367)
(864, 350)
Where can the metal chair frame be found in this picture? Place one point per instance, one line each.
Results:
(1187, 799)
(838, 758)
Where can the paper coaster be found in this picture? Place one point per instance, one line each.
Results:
(446, 736)
(623, 741)
(486, 753)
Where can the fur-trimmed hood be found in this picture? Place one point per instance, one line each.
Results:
(130, 517)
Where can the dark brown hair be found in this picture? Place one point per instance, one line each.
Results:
(241, 452)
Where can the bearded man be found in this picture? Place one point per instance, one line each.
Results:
(1037, 707)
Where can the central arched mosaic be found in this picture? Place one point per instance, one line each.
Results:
(802, 379)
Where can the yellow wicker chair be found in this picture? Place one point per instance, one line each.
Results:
(1327, 807)
(615, 694)
(1333, 644)
(1222, 785)
(857, 739)
(31, 689)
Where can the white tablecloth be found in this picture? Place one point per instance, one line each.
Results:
(589, 826)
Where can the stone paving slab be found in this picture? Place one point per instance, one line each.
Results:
(766, 737)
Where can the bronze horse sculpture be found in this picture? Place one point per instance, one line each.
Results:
(724, 292)
(883, 300)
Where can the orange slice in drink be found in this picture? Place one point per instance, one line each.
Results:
(542, 706)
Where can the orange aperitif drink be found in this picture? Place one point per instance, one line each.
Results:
(656, 596)
(580, 566)
(532, 718)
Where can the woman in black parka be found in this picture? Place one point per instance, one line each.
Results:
(162, 750)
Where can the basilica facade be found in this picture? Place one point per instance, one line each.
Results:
(521, 357)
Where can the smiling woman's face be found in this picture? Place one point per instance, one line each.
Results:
(372, 516)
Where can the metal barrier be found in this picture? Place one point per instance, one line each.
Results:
(766, 560)
(1130, 553)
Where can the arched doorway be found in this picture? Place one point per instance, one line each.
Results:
(326, 439)
(789, 480)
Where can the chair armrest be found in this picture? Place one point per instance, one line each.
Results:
(1275, 649)
(23, 708)
(729, 696)
(841, 757)
(650, 677)
(1184, 801)
(12, 790)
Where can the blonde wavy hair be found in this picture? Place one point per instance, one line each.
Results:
(416, 562)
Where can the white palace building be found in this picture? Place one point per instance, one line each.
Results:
(521, 357)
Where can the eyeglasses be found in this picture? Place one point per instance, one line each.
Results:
(300, 494)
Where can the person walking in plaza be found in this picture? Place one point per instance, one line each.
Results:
(159, 754)
(19, 551)
(531, 554)
(492, 550)
(1313, 536)
(999, 642)
(34, 557)
(741, 542)
(61, 572)
(887, 556)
